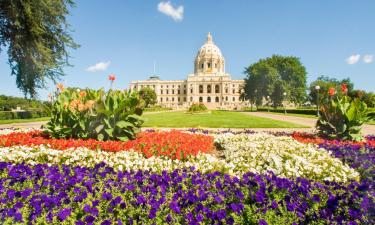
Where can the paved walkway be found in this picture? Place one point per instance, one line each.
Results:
(366, 128)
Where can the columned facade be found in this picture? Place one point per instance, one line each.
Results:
(209, 84)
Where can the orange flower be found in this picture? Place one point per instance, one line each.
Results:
(344, 88)
(331, 91)
(82, 94)
(111, 77)
(60, 86)
(90, 104)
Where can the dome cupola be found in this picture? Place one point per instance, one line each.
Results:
(209, 59)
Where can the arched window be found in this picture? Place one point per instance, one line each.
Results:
(209, 65)
(167, 99)
(172, 99)
(217, 89)
(200, 99)
(233, 91)
(217, 99)
(233, 99)
(202, 65)
(209, 88)
(167, 91)
(201, 89)
(226, 98)
(161, 99)
(208, 99)
(191, 99)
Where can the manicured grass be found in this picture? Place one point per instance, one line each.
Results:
(213, 119)
(24, 120)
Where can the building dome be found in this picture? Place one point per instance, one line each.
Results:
(209, 58)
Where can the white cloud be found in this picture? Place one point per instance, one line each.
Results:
(176, 13)
(100, 66)
(368, 58)
(353, 59)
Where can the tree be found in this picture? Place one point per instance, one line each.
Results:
(264, 75)
(366, 97)
(37, 36)
(277, 95)
(148, 95)
(325, 83)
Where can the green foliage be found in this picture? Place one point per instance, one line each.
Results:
(271, 75)
(148, 95)
(277, 95)
(366, 97)
(156, 108)
(112, 115)
(7, 103)
(195, 107)
(9, 115)
(342, 118)
(37, 36)
(325, 83)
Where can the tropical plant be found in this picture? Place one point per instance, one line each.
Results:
(112, 115)
(342, 118)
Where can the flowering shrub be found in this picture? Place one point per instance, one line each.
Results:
(112, 115)
(173, 144)
(78, 195)
(284, 156)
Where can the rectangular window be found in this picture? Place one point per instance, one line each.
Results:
(185, 92)
(161, 91)
(178, 91)
(167, 91)
(172, 92)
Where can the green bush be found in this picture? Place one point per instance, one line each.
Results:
(112, 115)
(342, 118)
(197, 107)
(293, 111)
(156, 109)
(9, 115)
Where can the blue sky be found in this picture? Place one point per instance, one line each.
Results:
(334, 38)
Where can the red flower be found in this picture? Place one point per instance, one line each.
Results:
(173, 144)
(331, 91)
(344, 88)
(111, 77)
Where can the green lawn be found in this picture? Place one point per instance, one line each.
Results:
(371, 122)
(212, 119)
(24, 120)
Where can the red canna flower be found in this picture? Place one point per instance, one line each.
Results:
(111, 77)
(331, 91)
(344, 88)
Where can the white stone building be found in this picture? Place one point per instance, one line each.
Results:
(209, 84)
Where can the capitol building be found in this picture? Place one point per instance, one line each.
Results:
(209, 84)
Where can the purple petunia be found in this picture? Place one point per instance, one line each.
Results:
(64, 213)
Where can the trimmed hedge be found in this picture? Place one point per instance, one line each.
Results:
(9, 115)
(294, 111)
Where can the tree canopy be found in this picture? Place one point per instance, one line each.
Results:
(275, 75)
(148, 95)
(37, 37)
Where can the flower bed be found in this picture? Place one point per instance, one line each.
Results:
(176, 178)
(81, 195)
(174, 144)
(284, 156)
